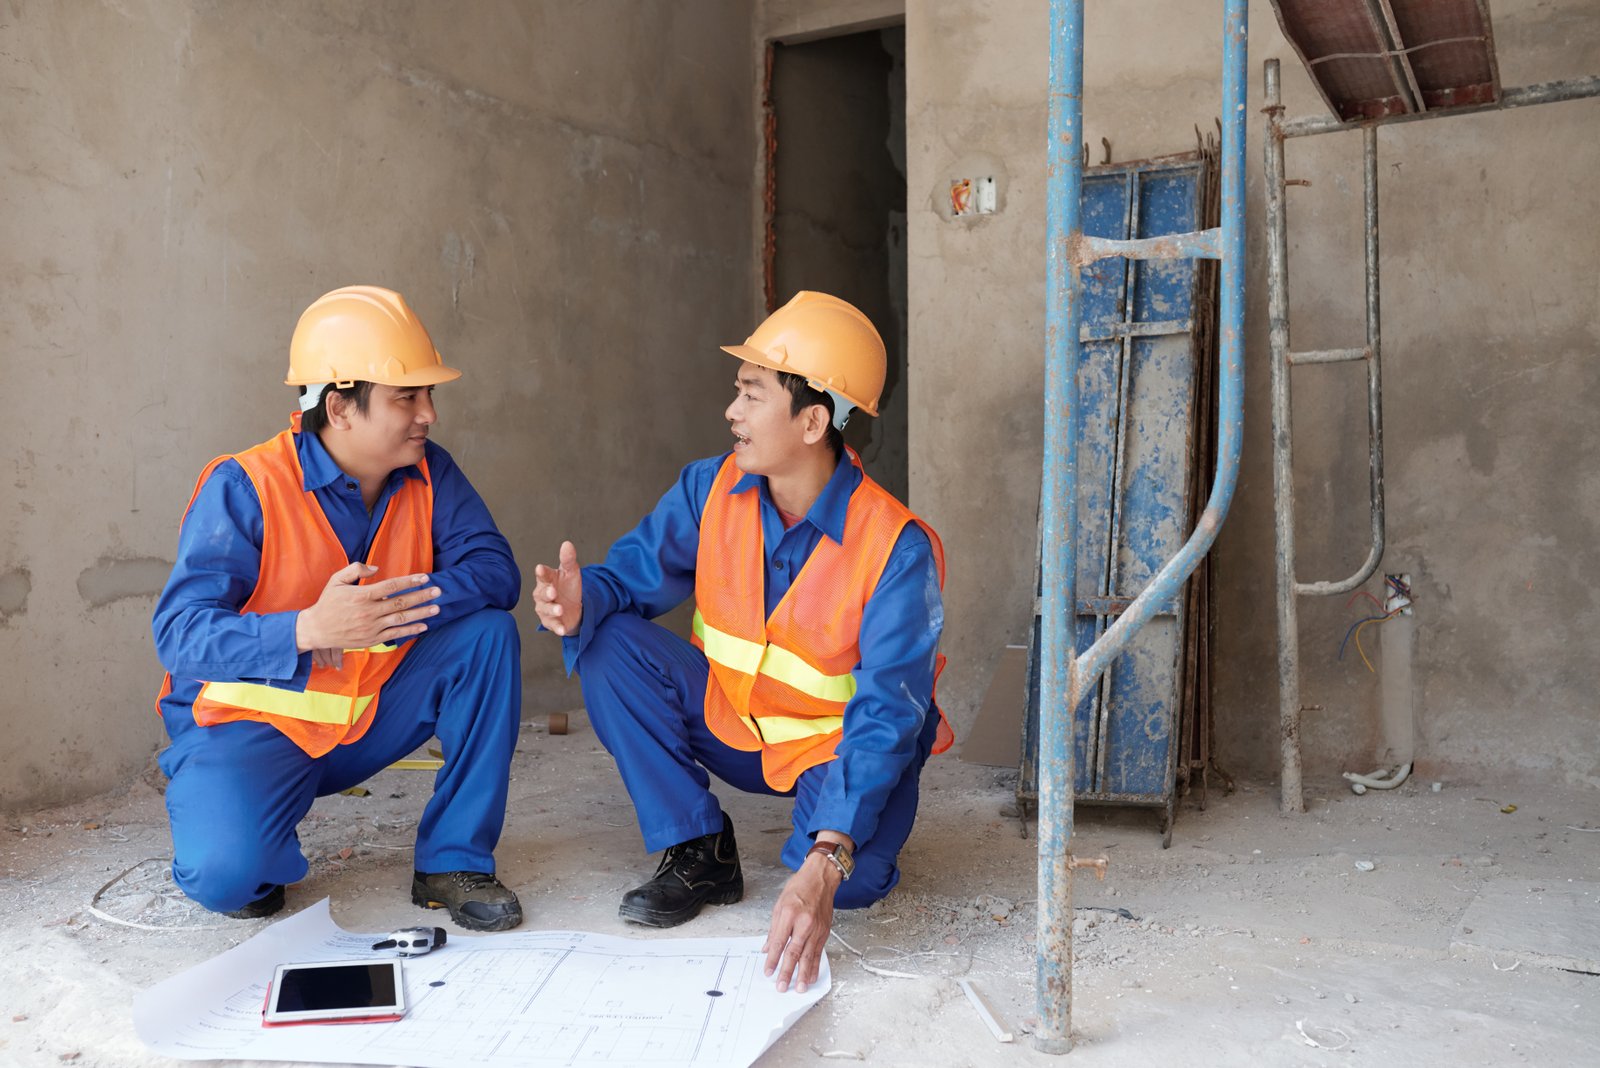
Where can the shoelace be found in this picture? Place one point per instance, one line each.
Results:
(471, 880)
(685, 855)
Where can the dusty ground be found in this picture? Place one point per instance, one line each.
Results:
(1251, 938)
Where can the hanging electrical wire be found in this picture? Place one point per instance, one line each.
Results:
(1399, 595)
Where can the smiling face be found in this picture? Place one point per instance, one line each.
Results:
(389, 435)
(768, 438)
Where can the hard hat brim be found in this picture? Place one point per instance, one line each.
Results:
(426, 376)
(756, 356)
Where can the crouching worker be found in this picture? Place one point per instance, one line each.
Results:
(340, 596)
(815, 644)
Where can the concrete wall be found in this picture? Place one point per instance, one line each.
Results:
(1490, 259)
(560, 190)
(569, 195)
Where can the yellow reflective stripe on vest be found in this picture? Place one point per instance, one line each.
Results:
(753, 658)
(310, 706)
(776, 730)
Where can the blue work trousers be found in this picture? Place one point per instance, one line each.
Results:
(239, 790)
(645, 690)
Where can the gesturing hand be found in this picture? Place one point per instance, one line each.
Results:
(348, 616)
(558, 593)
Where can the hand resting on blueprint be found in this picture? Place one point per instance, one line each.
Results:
(802, 919)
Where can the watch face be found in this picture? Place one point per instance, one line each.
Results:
(846, 862)
(839, 854)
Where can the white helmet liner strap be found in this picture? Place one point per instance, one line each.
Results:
(309, 399)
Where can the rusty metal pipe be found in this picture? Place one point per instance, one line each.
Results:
(1329, 356)
(1063, 679)
(1059, 685)
(1291, 797)
(1521, 97)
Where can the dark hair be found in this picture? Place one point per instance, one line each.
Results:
(802, 396)
(316, 420)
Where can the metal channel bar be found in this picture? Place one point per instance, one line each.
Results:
(1203, 244)
(1112, 573)
(1542, 93)
(1369, 139)
(1154, 328)
(1405, 79)
(1062, 678)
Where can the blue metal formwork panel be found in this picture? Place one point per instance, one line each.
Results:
(1137, 396)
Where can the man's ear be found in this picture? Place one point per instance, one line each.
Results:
(340, 407)
(815, 428)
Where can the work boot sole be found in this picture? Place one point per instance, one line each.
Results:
(469, 923)
(649, 917)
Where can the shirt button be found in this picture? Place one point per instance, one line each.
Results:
(349, 485)
(777, 565)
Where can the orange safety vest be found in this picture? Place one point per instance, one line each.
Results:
(299, 551)
(780, 685)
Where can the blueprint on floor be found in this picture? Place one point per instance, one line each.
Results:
(524, 998)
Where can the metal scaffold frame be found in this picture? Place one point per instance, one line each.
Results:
(1278, 131)
(1064, 678)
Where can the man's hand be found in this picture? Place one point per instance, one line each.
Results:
(558, 593)
(801, 922)
(348, 616)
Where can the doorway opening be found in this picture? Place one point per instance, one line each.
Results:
(836, 204)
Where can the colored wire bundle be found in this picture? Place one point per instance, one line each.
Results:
(1400, 590)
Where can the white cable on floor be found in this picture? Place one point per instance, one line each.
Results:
(1381, 779)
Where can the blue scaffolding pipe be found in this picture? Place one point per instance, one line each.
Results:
(1063, 678)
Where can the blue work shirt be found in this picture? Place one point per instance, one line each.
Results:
(650, 570)
(201, 634)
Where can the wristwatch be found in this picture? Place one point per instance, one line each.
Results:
(839, 855)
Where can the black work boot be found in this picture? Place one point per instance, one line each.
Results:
(265, 905)
(476, 900)
(693, 873)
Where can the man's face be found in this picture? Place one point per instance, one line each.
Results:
(765, 435)
(391, 433)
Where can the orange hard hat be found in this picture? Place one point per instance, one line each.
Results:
(828, 342)
(364, 334)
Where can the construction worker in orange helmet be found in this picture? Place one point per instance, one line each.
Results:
(810, 669)
(340, 596)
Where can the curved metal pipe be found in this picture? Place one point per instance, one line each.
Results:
(1064, 679)
(1374, 359)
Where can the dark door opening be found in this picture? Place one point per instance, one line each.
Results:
(837, 206)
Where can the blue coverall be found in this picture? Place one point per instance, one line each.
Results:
(238, 790)
(644, 687)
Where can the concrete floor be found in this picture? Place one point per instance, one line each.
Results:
(1253, 937)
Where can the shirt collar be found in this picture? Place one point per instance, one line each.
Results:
(828, 510)
(317, 465)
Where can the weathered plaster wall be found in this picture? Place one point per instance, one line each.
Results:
(560, 190)
(1490, 260)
